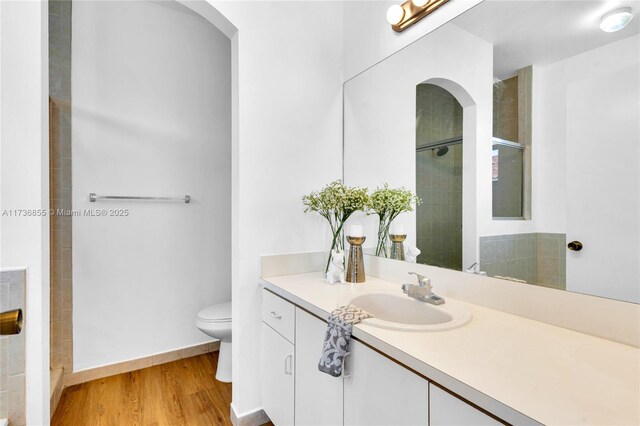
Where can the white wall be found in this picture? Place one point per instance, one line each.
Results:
(24, 176)
(550, 123)
(151, 90)
(586, 145)
(380, 121)
(290, 121)
(368, 37)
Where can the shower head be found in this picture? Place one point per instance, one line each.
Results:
(441, 151)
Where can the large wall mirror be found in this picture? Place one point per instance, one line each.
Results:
(518, 125)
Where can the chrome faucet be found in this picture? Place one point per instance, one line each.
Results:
(423, 291)
(475, 269)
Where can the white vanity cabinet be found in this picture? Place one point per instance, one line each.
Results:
(371, 391)
(277, 359)
(447, 410)
(374, 389)
(378, 391)
(318, 395)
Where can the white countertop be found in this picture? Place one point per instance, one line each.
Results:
(521, 370)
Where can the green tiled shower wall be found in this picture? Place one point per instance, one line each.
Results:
(439, 178)
(537, 258)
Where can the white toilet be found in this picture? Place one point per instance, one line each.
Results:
(215, 321)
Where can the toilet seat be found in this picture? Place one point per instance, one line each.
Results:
(219, 313)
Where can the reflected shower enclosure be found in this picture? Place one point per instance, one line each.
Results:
(439, 177)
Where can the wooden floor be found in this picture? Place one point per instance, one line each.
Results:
(182, 392)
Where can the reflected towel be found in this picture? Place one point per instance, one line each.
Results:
(337, 338)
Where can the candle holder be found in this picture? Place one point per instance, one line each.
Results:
(397, 246)
(355, 268)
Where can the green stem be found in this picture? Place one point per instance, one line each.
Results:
(383, 232)
(336, 240)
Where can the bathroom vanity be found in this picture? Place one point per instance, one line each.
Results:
(496, 120)
(496, 368)
(374, 388)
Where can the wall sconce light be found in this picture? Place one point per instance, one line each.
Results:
(403, 16)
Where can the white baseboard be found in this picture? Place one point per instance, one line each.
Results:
(256, 417)
(77, 377)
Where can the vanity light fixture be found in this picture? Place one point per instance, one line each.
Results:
(408, 13)
(395, 14)
(616, 20)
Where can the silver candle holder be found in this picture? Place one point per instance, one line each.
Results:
(355, 267)
(397, 246)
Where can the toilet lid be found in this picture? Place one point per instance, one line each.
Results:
(216, 313)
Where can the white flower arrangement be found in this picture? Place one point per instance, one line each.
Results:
(387, 203)
(336, 203)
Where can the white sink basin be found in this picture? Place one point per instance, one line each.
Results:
(403, 313)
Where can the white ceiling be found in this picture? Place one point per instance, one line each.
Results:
(541, 32)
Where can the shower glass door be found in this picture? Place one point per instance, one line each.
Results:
(439, 217)
(507, 167)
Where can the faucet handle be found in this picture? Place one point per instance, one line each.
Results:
(422, 280)
(472, 269)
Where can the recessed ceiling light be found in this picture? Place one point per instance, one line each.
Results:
(616, 20)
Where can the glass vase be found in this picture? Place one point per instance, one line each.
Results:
(337, 243)
(382, 249)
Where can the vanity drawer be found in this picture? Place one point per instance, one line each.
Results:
(279, 314)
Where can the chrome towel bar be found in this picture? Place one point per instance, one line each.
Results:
(93, 197)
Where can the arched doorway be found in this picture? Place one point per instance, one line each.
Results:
(439, 172)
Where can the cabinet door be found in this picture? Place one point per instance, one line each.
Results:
(277, 377)
(377, 391)
(446, 409)
(318, 395)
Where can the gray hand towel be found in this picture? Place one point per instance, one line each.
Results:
(337, 337)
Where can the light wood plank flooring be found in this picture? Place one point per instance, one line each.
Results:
(182, 392)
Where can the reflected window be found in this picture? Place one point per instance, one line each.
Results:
(507, 175)
(511, 150)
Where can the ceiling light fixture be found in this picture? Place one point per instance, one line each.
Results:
(408, 13)
(616, 20)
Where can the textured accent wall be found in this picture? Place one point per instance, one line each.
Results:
(61, 346)
(537, 258)
(12, 351)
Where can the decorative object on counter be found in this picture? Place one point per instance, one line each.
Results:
(396, 228)
(397, 246)
(335, 274)
(388, 203)
(336, 340)
(336, 203)
(355, 268)
(356, 231)
(412, 254)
